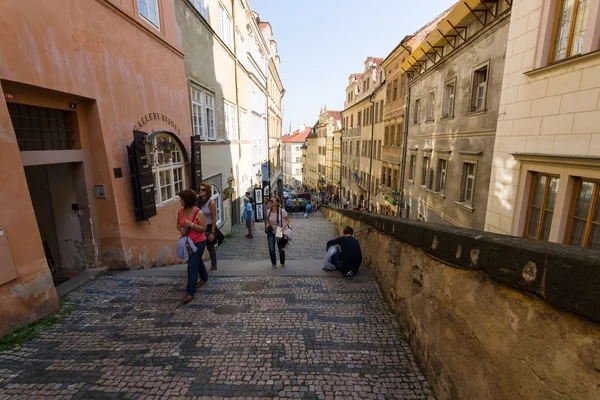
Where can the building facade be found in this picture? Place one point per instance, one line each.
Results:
(454, 101)
(310, 160)
(292, 156)
(235, 108)
(329, 121)
(362, 135)
(74, 94)
(336, 165)
(545, 176)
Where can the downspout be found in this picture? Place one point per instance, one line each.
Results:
(235, 210)
(404, 148)
(371, 155)
(341, 161)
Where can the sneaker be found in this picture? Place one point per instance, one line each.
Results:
(200, 284)
(213, 268)
(350, 273)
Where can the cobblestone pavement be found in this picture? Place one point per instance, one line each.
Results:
(251, 338)
(310, 236)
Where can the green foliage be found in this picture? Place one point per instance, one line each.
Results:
(402, 336)
(29, 332)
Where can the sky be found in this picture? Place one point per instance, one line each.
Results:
(322, 42)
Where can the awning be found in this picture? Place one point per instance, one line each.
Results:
(449, 30)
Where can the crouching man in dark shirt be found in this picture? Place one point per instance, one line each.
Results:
(351, 257)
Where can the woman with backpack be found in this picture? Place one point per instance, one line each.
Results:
(209, 209)
(191, 223)
(276, 221)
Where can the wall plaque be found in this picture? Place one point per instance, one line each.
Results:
(196, 162)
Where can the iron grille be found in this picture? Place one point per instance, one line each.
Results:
(39, 128)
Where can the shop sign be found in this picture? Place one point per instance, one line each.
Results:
(196, 162)
(156, 116)
(142, 179)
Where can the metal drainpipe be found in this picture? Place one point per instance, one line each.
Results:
(371, 155)
(341, 159)
(235, 210)
(404, 149)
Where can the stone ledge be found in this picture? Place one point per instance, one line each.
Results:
(565, 276)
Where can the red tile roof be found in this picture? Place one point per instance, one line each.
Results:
(336, 115)
(297, 136)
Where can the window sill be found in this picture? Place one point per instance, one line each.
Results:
(430, 121)
(440, 195)
(564, 63)
(476, 113)
(167, 203)
(464, 205)
(448, 118)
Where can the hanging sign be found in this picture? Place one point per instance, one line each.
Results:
(142, 179)
(196, 162)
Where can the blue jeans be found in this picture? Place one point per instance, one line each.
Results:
(195, 266)
(272, 240)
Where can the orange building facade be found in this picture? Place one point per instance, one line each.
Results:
(78, 78)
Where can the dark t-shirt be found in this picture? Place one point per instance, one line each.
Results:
(351, 255)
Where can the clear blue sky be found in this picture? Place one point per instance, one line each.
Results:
(322, 42)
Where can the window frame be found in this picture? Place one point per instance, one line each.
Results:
(425, 168)
(440, 185)
(200, 5)
(167, 168)
(146, 17)
(210, 116)
(198, 130)
(542, 208)
(475, 88)
(464, 177)
(216, 197)
(447, 96)
(226, 37)
(417, 115)
(412, 167)
(558, 8)
(589, 221)
(430, 106)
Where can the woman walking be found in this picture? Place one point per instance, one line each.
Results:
(191, 222)
(276, 218)
(209, 209)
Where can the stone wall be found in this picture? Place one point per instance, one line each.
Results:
(491, 317)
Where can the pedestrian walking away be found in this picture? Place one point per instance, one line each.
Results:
(253, 204)
(192, 223)
(349, 256)
(209, 208)
(248, 212)
(276, 222)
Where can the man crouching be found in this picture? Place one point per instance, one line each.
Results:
(350, 258)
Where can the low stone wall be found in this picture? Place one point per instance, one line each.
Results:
(491, 317)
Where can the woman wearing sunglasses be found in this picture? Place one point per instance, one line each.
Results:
(276, 218)
(209, 209)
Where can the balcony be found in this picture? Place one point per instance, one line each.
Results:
(391, 154)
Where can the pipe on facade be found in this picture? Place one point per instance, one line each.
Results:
(371, 153)
(404, 149)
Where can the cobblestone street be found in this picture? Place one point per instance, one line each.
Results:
(241, 337)
(310, 236)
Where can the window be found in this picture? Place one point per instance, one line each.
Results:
(417, 118)
(297, 148)
(425, 170)
(244, 125)
(570, 29)
(197, 112)
(584, 229)
(379, 149)
(399, 135)
(386, 136)
(449, 92)
(230, 116)
(381, 110)
(412, 167)
(468, 183)
(241, 47)
(442, 166)
(216, 197)
(395, 90)
(541, 206)
(376, 113)
(392, 135)
(388, 93)
(352, 121)
(225, 27)
(479, 91)
(210, 115)
(358, 120)
(200, 5)
(149, 10)
(166, 160)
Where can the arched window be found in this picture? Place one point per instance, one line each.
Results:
(166, 159)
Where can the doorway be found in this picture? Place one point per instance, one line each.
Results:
(52, 188)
